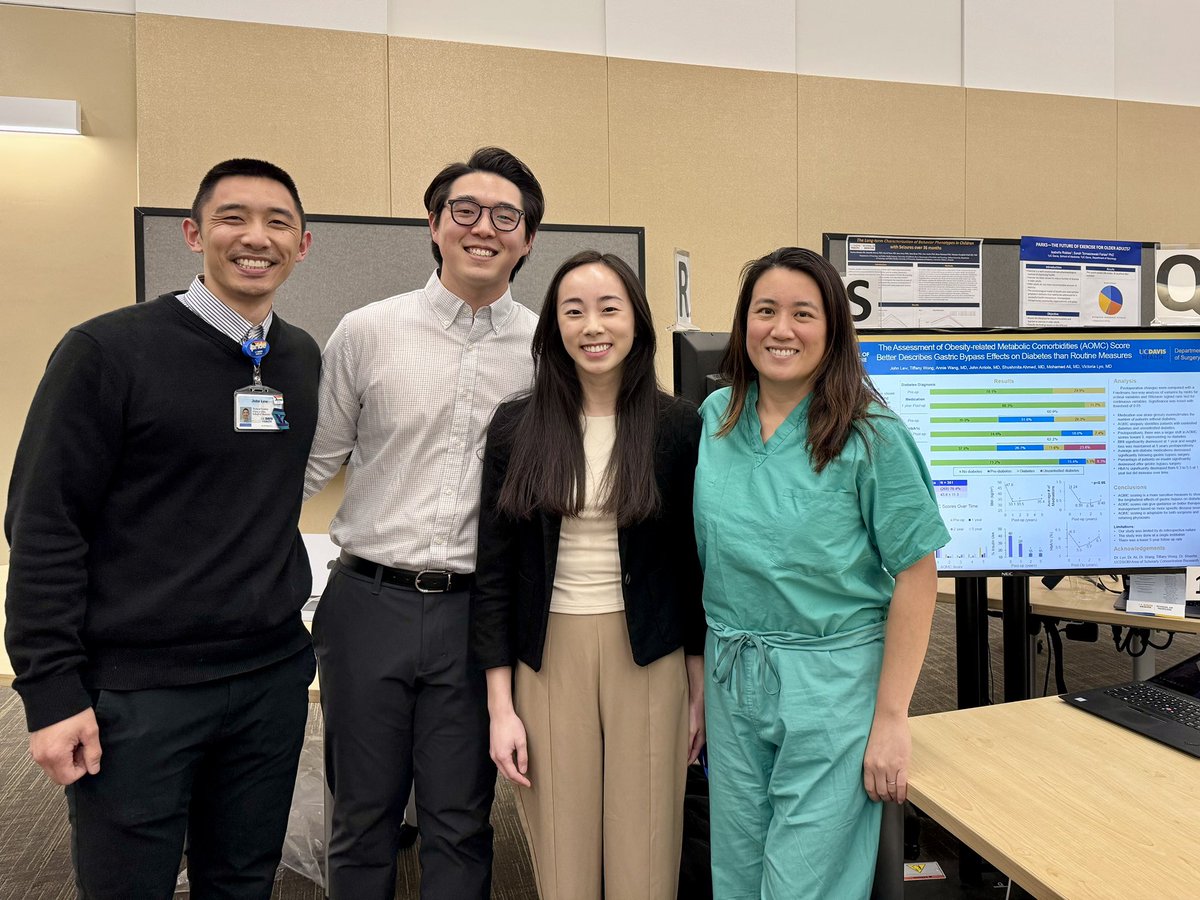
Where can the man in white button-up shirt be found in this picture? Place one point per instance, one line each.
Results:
(408, 386)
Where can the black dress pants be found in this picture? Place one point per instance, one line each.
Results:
(214, 761)
(401, 700)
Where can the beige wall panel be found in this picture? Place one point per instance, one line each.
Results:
(1158, 193)
(313, 101)
(880, 157)
(550, 109)
(66, 235)
(705, 159)
(1039, 164)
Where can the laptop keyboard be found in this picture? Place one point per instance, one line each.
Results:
(1162, 703)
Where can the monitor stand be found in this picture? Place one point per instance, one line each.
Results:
(1018, 656)
(971, 641)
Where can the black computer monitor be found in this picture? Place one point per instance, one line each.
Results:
(697, 357)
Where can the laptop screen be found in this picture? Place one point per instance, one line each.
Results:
(1184, 677)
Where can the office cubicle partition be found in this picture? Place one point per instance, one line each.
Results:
(356, 260)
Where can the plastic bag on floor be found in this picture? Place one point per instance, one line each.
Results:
(304, 845)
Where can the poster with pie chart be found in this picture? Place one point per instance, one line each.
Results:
(1080, 282)
(1110, 300)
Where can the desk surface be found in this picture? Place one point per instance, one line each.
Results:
(1067, 804)
(1076, 600)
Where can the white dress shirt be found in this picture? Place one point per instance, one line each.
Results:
(408, 386)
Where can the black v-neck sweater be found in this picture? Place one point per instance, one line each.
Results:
(153, 545)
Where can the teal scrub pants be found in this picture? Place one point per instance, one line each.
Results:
(787, 730)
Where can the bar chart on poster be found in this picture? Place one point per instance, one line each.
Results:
(1053, 451)
(1018, 457)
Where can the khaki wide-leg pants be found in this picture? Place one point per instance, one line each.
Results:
(607, 761)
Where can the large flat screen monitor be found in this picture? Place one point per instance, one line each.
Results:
(1053, 451)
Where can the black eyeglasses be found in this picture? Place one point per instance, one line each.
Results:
(467, 212)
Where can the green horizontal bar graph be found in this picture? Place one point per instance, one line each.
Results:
(1015, 390)
(1077, 404)
(1050, 432)
(984, 448)
(1049, 461)
(964, 420)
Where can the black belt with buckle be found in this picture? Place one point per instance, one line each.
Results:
(427, 581)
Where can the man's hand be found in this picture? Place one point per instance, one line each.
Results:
(69, 749)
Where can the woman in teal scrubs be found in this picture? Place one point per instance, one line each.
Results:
(817, 525)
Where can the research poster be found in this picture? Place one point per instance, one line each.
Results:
(923, 282)
(1177, 286)
(1053, 451)
(1073, 283)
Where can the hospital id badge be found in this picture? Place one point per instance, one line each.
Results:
(258, 408)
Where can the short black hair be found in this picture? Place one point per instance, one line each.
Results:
(498, 162)
(250, 168)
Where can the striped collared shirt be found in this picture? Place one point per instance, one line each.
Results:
(204, 303)
(408, 386)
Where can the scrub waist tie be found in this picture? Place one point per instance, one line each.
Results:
(730, 650)
(731, 643)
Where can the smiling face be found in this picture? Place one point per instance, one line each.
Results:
(786, 331)
(595, 318)
(478, 259)
(251, 238)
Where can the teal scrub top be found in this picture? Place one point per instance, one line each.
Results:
(787, 551)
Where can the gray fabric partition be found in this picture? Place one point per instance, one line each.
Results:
(357, 260)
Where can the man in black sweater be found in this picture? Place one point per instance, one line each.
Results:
(157, 572)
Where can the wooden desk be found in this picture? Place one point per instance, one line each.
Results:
(1068, 805)
(1072, 600)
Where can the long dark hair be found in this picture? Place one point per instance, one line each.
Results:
(547, 470)
(841, 391)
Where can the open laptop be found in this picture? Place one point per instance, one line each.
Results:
(1165, 708)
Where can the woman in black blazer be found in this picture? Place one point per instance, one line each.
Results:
(586, 611)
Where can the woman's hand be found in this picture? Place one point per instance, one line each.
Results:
(508, 749)
(889, 748)
(696, 735)
(885, 764)
(507, 745)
